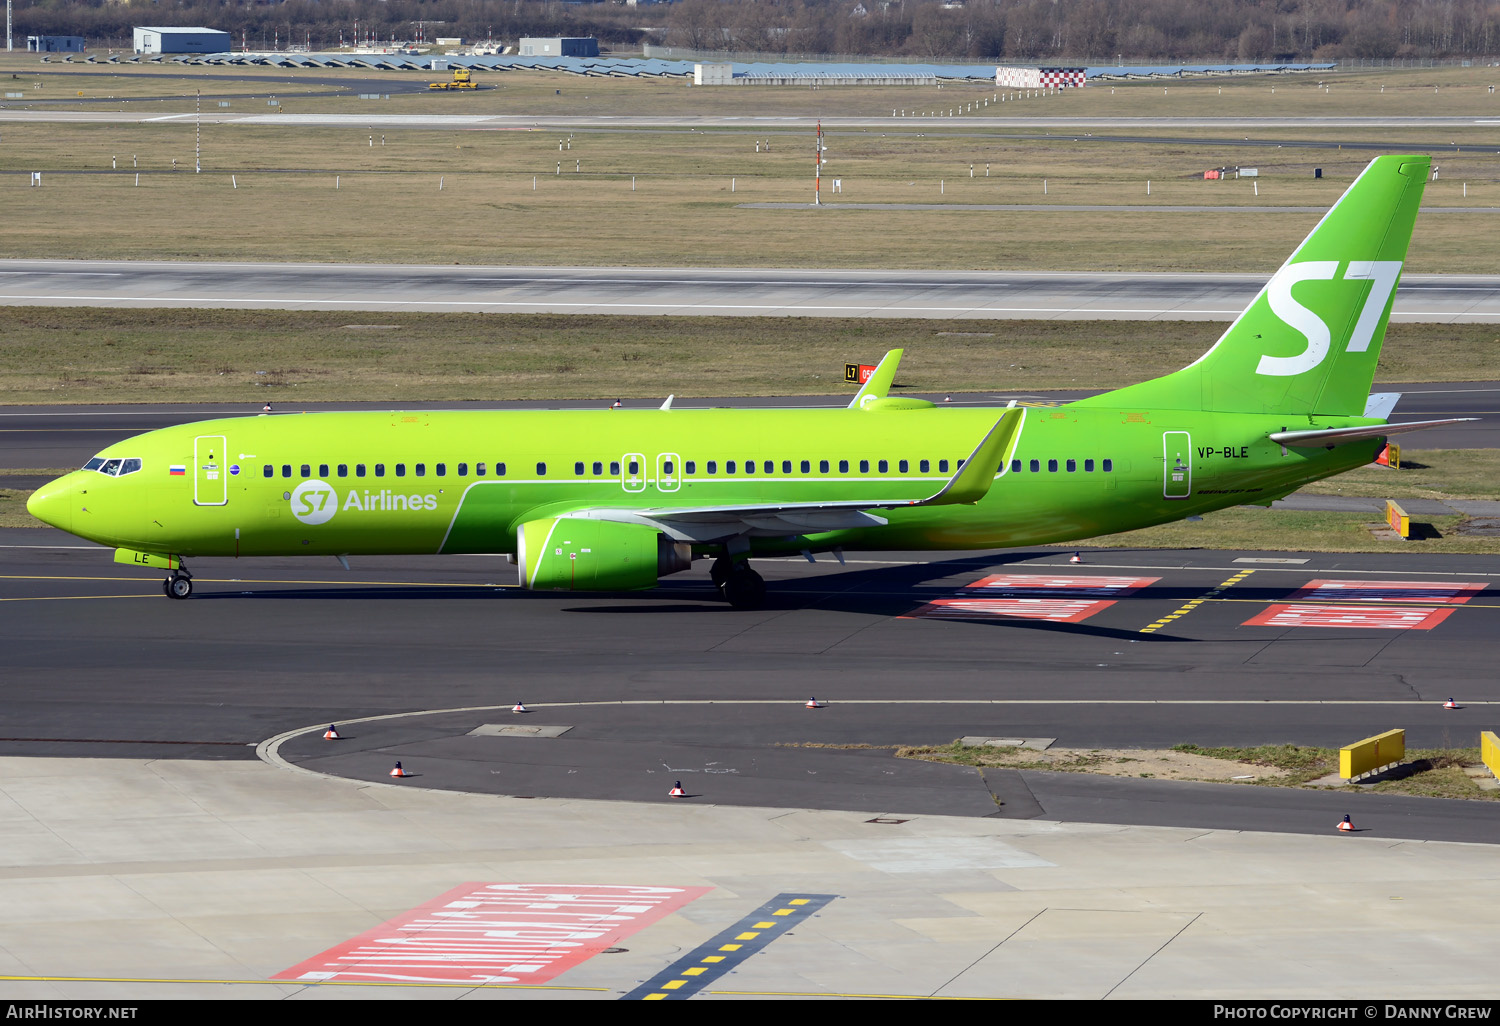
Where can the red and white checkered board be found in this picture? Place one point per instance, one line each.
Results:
(1395, 618)
(1444, 592)
(1063, 78)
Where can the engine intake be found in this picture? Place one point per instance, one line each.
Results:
(580, 554)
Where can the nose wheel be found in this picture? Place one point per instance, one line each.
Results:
(179, 585)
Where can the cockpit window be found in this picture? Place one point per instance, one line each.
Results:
(117, 467)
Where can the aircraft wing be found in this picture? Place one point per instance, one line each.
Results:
(970, 483)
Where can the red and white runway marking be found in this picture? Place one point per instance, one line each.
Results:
(485, 933)
(1411, 618)
(1060, 599)
(1438, 597)
(1437, 592)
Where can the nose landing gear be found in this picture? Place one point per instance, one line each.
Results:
(179, 585)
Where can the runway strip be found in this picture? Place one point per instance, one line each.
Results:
(694, 292)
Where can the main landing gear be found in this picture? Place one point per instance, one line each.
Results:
(741, 586)
(179, 585)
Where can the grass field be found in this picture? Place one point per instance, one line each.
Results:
(104, 355)
(1430, 773)
(654, 197)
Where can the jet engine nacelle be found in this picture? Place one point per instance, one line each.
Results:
(580, 554)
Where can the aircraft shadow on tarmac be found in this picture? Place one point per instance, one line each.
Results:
(890, 591)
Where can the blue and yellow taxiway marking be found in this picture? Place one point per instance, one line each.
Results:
(730, 948)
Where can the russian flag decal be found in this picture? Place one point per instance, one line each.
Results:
(178, 470)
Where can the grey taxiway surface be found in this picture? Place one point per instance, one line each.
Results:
(681, 291)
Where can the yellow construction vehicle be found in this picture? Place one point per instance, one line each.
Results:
(462, 79)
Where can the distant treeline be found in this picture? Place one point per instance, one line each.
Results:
(984, 29)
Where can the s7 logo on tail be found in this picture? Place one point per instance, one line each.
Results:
(1383, 273)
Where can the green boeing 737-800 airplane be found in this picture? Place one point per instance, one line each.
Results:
(614, 499)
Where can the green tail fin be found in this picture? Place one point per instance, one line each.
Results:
(1309, 342)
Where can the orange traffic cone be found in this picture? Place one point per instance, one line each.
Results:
(331, 734)
(399, 772)
(1346, 826)
(677, 791)
(1076, 557)
(813, 703)
(519, 708)
(1450, 704)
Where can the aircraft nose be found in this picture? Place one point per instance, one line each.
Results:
(52, 503)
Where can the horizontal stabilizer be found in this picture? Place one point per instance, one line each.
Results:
(1338, 436)
(1380, 404)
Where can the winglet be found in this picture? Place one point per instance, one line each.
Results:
(973, 480)
(879, 382)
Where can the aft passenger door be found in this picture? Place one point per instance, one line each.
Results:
(1177, 465)
(210, 471)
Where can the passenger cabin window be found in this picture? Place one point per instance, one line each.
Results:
(1015, 466)
(729, 466)
(1051, 466)
(421, 469)
(401, 470)
(1072, 466)
(749, 466)
(286, 470)
(1107, 466)
(806, 467)
(713, 466)
(666, 467)
(380, 470)
(786, 467)
(306, 470)
(864, 466)
(500, 469)
(479, 470)
(884, 466)
(614, 468)
(441, 469)
(822, 466)
(1036, 466)
(359, 470)
(942, 466)
(343, 470)
(463, 470)
(267, 471)
(598, 469)
(690, 467)
(902, 466)
(1088, 466)
(578, 469)
(843, 466)
(322, 470)
(541, 470)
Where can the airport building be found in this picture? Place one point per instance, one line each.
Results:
(54, 44)
(153, 39)
(564, 46)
